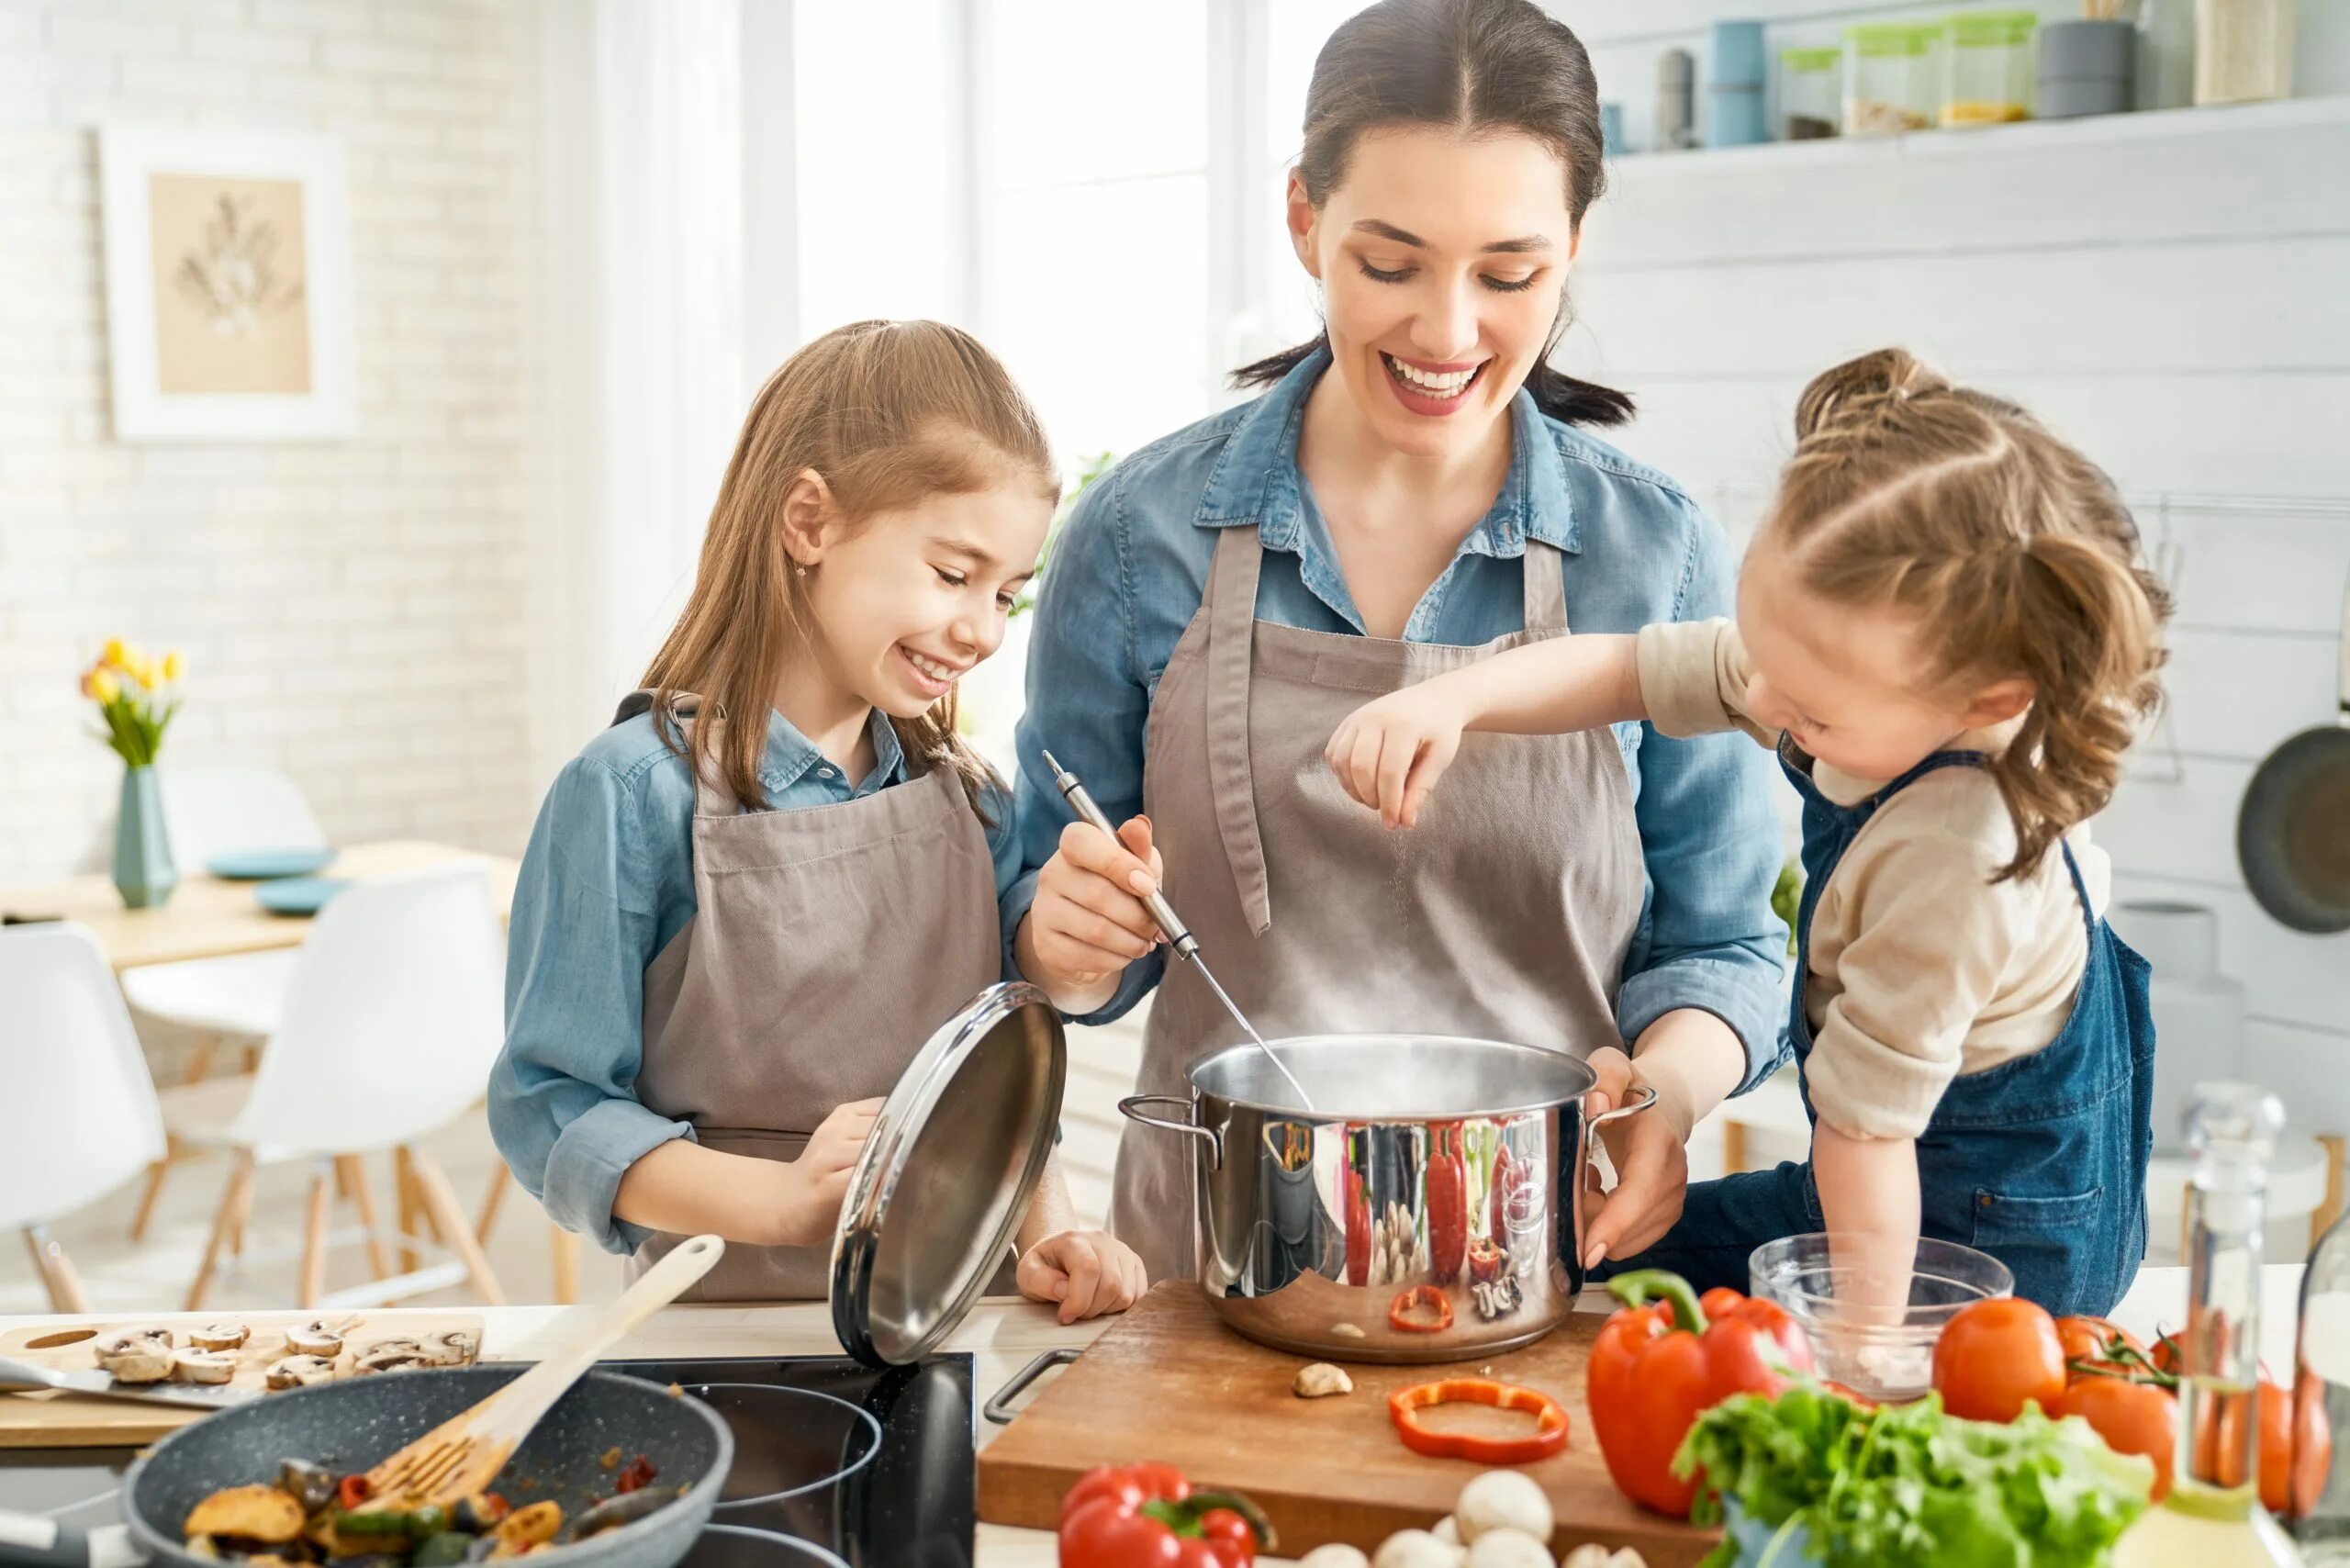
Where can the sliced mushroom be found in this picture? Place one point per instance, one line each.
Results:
(192, 1365)
(393, 1355)
(220, 1336)
(1322, 1379)
(141, 1355)
(454, 1347)
(299, 1372)
(319, 1337)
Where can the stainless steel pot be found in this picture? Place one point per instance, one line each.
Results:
(1430, 1209)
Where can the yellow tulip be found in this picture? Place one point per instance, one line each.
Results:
(142, 670)
(103, 685)
(116, 656)
(174, 666)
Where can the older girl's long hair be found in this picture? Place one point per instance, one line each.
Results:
(2013, 553)
(887, 412)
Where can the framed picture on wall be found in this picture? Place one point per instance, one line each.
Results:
(228, 283)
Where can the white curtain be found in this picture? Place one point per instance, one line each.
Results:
(642, 324)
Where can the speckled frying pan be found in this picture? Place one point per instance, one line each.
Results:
(2293, 833)
(347, 1426)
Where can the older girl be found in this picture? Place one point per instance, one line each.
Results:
(1944, 629)
(749, 901)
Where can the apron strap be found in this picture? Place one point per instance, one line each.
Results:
(1232, 633)
(2080, 890)
(711, 797)
(1546, 586)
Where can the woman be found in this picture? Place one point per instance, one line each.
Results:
(1412, 491)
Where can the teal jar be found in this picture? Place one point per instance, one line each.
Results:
(143, 871)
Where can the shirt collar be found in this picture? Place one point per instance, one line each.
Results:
(1256, 481)
(791, 757)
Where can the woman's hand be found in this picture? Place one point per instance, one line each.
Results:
(1652, 1158)
(1089, 1272)
(818, 1179)
(1088, 921)
(1389, 754)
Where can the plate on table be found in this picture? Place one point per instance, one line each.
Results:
(298, 895)
(268, 864)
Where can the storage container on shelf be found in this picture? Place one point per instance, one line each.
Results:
(1810, 87)
(1988, 67)
(1892, 77)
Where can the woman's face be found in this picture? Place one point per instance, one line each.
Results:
(1442, 258)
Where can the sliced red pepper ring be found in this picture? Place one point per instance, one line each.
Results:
(1399, 1310)
(1549, 1434)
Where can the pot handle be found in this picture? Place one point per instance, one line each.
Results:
(1127, 1108)
(999, 1409)
(1620, 1111)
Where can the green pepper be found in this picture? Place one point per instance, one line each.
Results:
(441, 1550)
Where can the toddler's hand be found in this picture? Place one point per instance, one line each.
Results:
(1089, 1272)
(1389, 754)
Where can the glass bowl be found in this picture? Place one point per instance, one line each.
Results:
(1869, 1329)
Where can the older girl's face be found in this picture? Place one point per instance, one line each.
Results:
(1442, 258)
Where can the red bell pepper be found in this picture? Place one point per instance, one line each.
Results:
(1402, 1311)
(1447, 1191)
(1357, 1220)
(1486, 1261)
(1508, 1173)
(1664, 1360)
(1549, 1434)
(1147, 1516)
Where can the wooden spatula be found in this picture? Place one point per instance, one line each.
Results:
(457, 1458)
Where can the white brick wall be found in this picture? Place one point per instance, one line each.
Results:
(352, 611)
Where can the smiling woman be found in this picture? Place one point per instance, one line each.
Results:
(1413, 491)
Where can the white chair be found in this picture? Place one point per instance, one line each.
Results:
(81, 1118)
(391, 1022)
(208, 812)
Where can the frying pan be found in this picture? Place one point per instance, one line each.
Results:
(347, 1426)
(2293, 833)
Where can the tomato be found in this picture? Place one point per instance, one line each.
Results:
(2132, 1418)
(2278, 1487)
(2313, 1452)
(1996, 1356)
(2095, 1340)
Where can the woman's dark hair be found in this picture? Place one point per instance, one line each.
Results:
(1475, 66)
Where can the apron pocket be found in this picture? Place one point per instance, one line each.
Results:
(2056, 1246)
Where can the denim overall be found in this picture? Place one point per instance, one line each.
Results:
(2040, 1161)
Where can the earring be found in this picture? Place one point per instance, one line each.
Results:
(799, 569)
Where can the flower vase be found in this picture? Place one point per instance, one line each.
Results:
(144, 870)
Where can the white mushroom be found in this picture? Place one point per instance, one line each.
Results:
(1502, 1499)
(319, 1337)
(192, 1365)
(454, 1347)
(392, 1355)
(1335, 1555)
(141, 1355)
(1592, 1555)
(1447, 1530)
(1415, 1549)
(298, 1371)
(1321, 1379)
(219, 1335)
(1508, 1549)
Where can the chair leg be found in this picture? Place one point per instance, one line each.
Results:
(456, 1234)
(498, 1180)
(566, 1264)
(154, 1189)
(405, 1206)
(314, 1234)
(56, 1271)
(350, 1175)
(234, 1202)
(199, 1058)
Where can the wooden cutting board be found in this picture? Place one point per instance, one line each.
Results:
(1170, 1383)
(74, 1421)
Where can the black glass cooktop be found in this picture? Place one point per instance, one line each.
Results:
(835, 1465)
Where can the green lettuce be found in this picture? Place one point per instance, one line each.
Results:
(1817, 1479)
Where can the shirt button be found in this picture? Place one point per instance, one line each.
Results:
(824, 773)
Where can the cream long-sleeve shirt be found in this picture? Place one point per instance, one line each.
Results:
(1921, 968)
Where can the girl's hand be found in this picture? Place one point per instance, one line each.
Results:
(1088, 1271)
(1389, 754)
(1088, 921)
(818, 1181)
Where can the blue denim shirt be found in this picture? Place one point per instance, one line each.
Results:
(1127, 574)
(606, 881)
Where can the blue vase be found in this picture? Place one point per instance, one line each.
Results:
(144, 870)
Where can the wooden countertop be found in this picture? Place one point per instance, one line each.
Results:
(1003, 1334)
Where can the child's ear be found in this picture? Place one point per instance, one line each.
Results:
(808, 513)
(1998, 703)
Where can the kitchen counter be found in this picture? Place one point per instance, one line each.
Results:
(1003, 1335)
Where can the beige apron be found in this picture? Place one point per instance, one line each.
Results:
(827, 944)
(1506, 913)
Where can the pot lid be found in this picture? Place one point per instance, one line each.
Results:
(939, 1189)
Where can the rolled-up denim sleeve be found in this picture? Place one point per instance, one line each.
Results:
(562, 1107)
(1087, 704)
(1710, 837)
